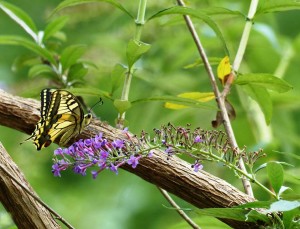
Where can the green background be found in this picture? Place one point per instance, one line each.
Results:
(124, 200)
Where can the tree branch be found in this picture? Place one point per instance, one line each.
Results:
(25, 210)
(176, 176)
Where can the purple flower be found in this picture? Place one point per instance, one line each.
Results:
(79, 145)
(113, 168)
(103, 155)
(133, 161)
(58, 151)
(98, 137)
(150, 154)
(197, 166)
(71, 149)
(95, 174)
(88, 142)
(59, 166)
(88, 151)
(97, 144)
(102, 165)
(104, 143)
(169, 150)
(81, 169)
(100, 153)
(56, 170)
(198, 139)
(125, 130)
(118, 144)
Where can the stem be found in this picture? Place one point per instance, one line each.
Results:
(178, 209)
(233, 167)
(220, 100)
(287, 55)
(139, 22)
(245, 36)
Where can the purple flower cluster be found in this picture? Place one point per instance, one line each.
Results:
(93, 152)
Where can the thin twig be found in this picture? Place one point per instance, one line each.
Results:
(57, 216)
(178, 209)
(220, 100)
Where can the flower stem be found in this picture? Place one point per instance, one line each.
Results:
(238, 170)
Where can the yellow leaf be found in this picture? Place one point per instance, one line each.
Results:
(174, 106)
(224, 69)
(197, 96)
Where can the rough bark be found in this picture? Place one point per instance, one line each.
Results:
(201, 189)
(24, 209)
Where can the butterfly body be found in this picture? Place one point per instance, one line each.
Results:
(62, 118)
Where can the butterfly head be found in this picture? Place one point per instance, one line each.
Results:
(87, 119)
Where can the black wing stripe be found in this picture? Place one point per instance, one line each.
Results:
(62, 118)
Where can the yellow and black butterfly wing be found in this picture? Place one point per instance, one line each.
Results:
(39, 135)
(62, 118)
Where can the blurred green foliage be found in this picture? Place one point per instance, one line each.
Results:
(126, 200)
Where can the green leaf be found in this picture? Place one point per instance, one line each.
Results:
(255, 204)
(288, 102)
(254, 216)
(90, 92)
(275, 174)
(289, 155)
(135, 49)
(197, 14)
(89, 64)
(178, 100)
(77, 72)
(220, 11)
(291, 196)
(70, 55)
(265, 80)
(283, 205)
(122, 105)
(54, 26)
(233, 213)
(199, 62)
(264, 165)
(204, 222)
(25, 60)
(282, 190)
(69, 3)
(262, 97)
(59, 35)
(17, 40)
(291, 219)
(40, 69)
(21, 18)
(117, 76)
(277, 5)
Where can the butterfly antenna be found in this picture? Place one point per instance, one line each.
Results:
(91, 109)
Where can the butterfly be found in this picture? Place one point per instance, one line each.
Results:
(62, 118)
